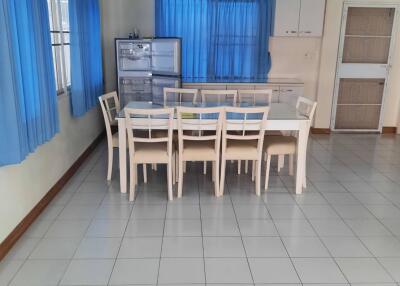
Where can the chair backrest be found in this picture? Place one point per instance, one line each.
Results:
(110, 107)
(257, 96)
(193, 121)
(220, 96)
(306, 106)
(141, 124)
(180, 95)
(245, 119)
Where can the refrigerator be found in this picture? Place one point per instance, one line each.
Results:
(146, 66)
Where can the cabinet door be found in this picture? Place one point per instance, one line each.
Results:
(289, 94)
(275, 91)
(286, 18)
(312, 13)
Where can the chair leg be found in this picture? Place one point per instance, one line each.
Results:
(176, 167)
(135, 174)
(204, 167)
(132, 181)
(222, 178)
(170, 179)
(267, 169)
(216, 177)
(213, 171)
(173, 168)
(291, 164)
(253, 169)
(305, 177)
(145, 173)
(246, 166)
(180, 179)
(110, 163)
(281, 162)
(239, 165)
(258, 177)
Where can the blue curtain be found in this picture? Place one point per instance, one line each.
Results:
(222, 40)
(28, 97)
(86, 62)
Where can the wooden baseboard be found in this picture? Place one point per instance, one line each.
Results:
(320, 130)
(389, 130)
(19, 230)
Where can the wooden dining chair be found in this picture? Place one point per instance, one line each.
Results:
(281, 145)
(194, 144)
(253, 97)
(145, 147)
(110, 107)
(246, 145)
(180, 95)
(219, 96)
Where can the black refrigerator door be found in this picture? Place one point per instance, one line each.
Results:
(134, 89)
(166, 56)
(134, 55)
(158, 84)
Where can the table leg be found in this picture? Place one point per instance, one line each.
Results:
(122, 154)
(301, 156)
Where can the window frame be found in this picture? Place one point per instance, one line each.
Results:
(59, 58)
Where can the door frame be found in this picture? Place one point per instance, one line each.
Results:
(368, 4)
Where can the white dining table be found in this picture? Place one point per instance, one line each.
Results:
(281, 117)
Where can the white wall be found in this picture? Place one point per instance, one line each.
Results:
(22, 186)
(118, 19)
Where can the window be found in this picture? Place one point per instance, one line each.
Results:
(59, 29)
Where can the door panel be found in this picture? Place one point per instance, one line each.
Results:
(363, 117)
(366, 50)
(361, 91)
(363, 65)
(369, 21)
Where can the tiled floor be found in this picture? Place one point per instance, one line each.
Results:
(344, 229)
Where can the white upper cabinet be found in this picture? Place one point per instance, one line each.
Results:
(303, 18)
(287, 18)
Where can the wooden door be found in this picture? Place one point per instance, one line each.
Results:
(363, 66)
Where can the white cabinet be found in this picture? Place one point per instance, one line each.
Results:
(286, 18)
(303, 18)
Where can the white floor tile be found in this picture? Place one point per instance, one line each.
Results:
(273, 270)
(98, 248)
(140, 247)
(180, 247)
(40, 273)
(223, 247)
(363, 270)
(88, 272)
(264, 247)
(135, 271)
(181, 270)
(318, 270)
(227, 270)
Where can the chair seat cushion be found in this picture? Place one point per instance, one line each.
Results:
(280, 145)
(241, 150)
(150, 152)
(199, 150)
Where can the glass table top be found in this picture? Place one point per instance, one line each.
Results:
(278, 111)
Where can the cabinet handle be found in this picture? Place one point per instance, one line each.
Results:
(293, 32)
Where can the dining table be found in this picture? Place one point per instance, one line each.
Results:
(281, 117)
